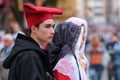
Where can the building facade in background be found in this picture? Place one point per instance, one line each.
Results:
(94, 11)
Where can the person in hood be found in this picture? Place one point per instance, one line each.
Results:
(28, 60)
(66, 52)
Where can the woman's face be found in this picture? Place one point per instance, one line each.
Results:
(83, 37)
(45, 32)
(95, 41)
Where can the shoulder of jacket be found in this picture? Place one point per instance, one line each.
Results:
(27, 54)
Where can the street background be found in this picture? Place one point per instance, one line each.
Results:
(103, 18)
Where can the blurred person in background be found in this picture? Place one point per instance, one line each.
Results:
(95, 49)
(1, 43)
(113, 47)
(8, 45)
(117, 59)
(28, 60)
(2, 33)
(66, 52)
(4, 11)
(15, 29)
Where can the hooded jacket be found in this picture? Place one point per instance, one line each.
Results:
(27, 61)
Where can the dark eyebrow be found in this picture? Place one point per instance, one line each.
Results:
(50, 24)
(83, 27)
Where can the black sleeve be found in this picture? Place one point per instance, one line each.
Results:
(30, 68)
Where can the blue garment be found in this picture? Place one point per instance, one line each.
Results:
(117, 46)
(118, 72)
(7, 51)
(116, 50)
(98, 72)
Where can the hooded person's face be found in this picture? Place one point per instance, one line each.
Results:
(83, 37)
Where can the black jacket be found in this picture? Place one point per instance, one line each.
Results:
(28, 61)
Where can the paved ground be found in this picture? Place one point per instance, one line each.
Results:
(104, 75)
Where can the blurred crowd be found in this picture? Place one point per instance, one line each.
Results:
(103, 51)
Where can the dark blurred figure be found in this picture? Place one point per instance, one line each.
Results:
(15, 29)
(1, 43)
(96, 50)
(4, 11)
(113, 46)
